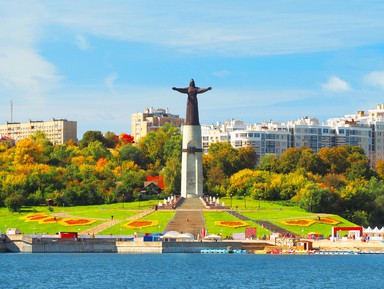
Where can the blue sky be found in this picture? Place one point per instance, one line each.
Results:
(97, 62)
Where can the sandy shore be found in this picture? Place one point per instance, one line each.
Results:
(348, 245)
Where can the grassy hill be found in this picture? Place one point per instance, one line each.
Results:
(291, 218)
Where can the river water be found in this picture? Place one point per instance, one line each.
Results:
(190, 271)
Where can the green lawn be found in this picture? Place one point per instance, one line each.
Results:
(212, 217)
(274, 212)
(14, 220)
(320, 228)
(163, 217)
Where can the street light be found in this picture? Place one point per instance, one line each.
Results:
(231, 201)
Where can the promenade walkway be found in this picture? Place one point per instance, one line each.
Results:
(188, 217)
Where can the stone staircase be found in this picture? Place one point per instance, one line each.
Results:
(188, 217)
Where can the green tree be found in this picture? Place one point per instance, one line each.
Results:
(172, 176)
(14, 202)
(92, 136)
(268, 162)
(111, 140)
(133, 153)
(288, 161)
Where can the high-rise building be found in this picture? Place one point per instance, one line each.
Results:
(58, 131)
(151, 120)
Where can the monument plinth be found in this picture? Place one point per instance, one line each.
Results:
(191, 162)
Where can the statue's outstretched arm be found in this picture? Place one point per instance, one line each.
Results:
(182, 90)
(202, 90)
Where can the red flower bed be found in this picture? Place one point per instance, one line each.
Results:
(328, 221)
(141, 224)
(76, 222)
(231, 224)
(299, 222)
(50, 220)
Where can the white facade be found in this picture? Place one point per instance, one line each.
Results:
(58, 131)
(360, 129)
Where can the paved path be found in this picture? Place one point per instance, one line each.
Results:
(188, 217)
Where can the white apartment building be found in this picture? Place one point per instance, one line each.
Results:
(58, 131)
(219, 132)
(360, 129)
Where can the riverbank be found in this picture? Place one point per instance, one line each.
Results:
(20, 243)
(348, 245)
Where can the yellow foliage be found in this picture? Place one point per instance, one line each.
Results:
(80, 160)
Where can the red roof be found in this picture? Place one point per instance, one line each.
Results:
(158, 180)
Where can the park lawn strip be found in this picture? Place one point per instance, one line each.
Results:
(109, 208)
(103, 213)
(319, 228)
(13, 220)
(280, 213)
(212, 217)
(163, 217)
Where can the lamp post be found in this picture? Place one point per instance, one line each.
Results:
(231, 201)
(245, 201)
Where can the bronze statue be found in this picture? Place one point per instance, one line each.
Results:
(192, 117)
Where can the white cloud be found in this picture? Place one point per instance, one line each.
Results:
(335, 84)
(110, 81)
(222, 28)
(222, 73)
(82, 42)
(24, 72)
(375, 78)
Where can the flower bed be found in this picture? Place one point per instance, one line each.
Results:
(34, 217)
(299, 222)
(231, 224)
(50, 220)
(76, 222)
(328, 221)
(141, 224)
(309, 222)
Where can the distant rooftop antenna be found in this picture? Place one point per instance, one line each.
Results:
(11, 111)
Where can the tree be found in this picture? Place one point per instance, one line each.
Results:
(311, 162)
(133, 153)
(27, 151)
(268, 162)
(224, 156)
(126, 138)
(172, 176)
(14, 202)
(158, 146)
(96, 150)
(380, 168)
(247, 158)
(92, 136)
(359, 166)
(335, 159)
(112, 140)
(314, 198)
(288, 161)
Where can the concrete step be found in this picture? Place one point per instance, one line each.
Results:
(188, 217)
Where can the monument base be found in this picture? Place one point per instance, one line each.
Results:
(192, 162)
